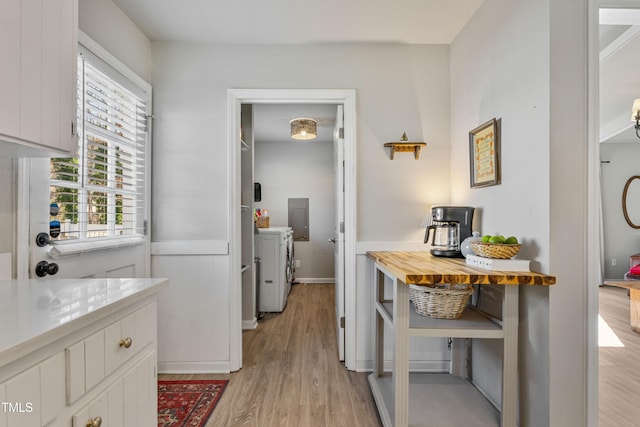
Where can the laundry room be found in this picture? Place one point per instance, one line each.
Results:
(294, 187)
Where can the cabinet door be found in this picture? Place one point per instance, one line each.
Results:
(38, 47)
(23, 396)
(10, 69)
(3, 398)
(141, 394)
(58, 75)
(98, 408)
(52, 387)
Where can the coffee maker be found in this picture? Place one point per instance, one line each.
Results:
(450, 225)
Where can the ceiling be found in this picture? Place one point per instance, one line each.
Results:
(619, 79)
(271, 121)
(300, 21)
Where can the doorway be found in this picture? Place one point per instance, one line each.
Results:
(614, 30)
(238, 97)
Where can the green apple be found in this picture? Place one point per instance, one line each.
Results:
(497, 239)
(486, 238)
(511, 240)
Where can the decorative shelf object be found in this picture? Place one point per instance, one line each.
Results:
(404, 146)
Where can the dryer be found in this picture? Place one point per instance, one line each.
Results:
(272, 247)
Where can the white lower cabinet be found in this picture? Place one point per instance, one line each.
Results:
(34, 397)
(130, 401)
(104, 374)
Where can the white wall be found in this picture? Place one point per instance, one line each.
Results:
(105, 23)
(620, 240)
(524, 62)
(398, 88)
(293, 169)
(7, 210)
(506, 45)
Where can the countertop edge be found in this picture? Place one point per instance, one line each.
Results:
(19, 350)
(453, 273)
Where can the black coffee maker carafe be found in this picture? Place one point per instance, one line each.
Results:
(450, 225)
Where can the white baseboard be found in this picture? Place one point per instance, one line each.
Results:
(437, 366)
(315, 280)
(250, 324)
(194, 367)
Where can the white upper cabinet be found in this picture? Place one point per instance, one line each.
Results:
(38, 47)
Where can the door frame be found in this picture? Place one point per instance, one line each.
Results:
(236, 97)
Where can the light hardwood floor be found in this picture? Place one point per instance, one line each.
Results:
(619, 376)
(291, 375)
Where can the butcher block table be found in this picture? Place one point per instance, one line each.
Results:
(634, 300)
(419, 399)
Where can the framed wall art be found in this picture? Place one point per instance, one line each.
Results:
(484, 154)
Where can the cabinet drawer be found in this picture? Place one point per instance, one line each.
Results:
(99, 355)
(129, 401)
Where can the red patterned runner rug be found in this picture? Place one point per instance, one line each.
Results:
(183, 403)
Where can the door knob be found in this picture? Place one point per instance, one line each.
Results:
(43, 268)
(332, 240)
(43, 239)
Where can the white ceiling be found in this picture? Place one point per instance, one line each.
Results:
(271, 121)
(300, 21)
(619, 76)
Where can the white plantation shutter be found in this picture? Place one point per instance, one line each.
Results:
(101, 192)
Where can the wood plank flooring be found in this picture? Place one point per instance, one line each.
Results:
(619, 376)
(291, 375)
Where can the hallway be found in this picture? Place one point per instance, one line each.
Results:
(291, 375)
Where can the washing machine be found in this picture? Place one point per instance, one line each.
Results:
(274, 246)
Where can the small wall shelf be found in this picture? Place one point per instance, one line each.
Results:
(404, 146)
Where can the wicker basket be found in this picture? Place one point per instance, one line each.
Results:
(263, 222)
(444, 301)
(495, 250)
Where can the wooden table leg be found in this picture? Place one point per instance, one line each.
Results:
(634, 310)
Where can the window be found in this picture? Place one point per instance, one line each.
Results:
(100, 193)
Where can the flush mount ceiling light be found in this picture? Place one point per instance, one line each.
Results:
(304, 129)
(635, 115)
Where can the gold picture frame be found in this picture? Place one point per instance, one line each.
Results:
(484, 154)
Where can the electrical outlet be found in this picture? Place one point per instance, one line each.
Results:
(614, 262)
(297, 263)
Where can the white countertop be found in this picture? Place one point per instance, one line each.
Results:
(35, 312)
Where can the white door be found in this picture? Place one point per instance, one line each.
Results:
(127, 258)
(338, 165)
(89, 218)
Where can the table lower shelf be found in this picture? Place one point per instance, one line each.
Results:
(436, 400)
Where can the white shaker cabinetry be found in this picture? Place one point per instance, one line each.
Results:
(129, 401)
(115, 369)
(34, 397)
(38, 47)
(105, 374)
